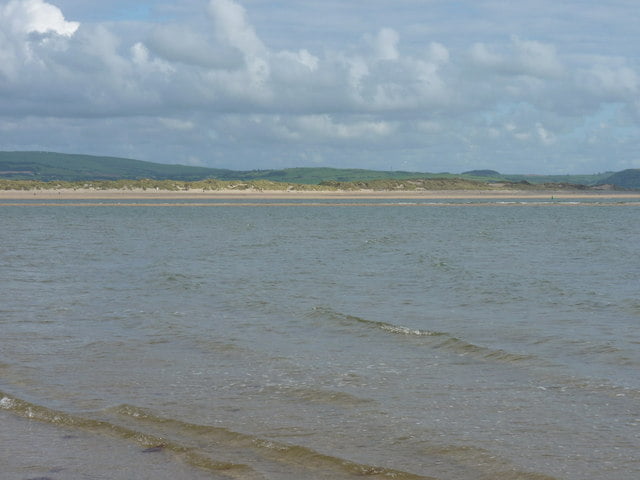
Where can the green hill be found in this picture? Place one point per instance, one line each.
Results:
(482, 173)
(626, 179)
(50, 166)
(47, 166)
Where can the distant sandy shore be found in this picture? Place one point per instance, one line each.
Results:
(92, 194)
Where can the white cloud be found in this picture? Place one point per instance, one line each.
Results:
(481, 55)
(520, 57)
(324, 126)
(385, 44)
(145, 64)
(357, 71)
(438, 53)
(295, 66)
(232, 27)
(544, 135)
(615, 81)
(536, 58)
(28, 16)
(24, 25)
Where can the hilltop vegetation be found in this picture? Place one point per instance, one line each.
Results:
(60, 167)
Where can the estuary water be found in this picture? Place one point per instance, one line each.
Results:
(325, 340)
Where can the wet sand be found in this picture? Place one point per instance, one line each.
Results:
(92, 194)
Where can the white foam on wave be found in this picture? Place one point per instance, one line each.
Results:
(407, 331)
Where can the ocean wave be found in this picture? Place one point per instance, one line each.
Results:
(434, 339)
(388, 327)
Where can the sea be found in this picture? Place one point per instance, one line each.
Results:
(493, 339)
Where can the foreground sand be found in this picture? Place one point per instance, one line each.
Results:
(92, 194)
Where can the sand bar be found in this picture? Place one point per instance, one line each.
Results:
(139, 194)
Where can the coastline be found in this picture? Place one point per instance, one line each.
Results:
(138, 194)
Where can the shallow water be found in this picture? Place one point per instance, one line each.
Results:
(457, 341)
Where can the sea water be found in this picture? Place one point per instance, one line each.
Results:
(407, 340)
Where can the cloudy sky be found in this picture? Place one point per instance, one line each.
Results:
(544, 86)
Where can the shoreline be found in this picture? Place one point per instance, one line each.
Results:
(139, 194)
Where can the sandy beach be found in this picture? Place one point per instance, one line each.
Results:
(137, 194)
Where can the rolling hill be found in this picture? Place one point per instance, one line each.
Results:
(51, 166)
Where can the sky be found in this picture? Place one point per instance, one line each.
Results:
(544, 86)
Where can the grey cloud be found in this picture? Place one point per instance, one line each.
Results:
(181, 44)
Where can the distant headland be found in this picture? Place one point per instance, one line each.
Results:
(41, 171)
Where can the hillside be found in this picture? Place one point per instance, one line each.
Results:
(629, 178)
(47, 166)
(50, 166)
